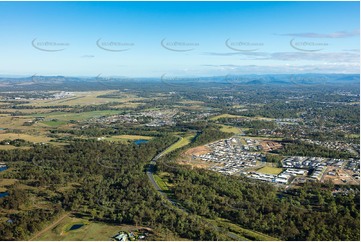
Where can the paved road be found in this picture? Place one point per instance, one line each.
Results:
(150, 174)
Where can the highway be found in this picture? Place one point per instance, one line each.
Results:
(150, 174)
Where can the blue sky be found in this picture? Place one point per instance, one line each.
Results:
(148, 39)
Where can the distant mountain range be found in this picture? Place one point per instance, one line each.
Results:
(277, 79)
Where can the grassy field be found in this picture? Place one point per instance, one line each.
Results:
(54, 123)
(10, 122)
(133, 137)
(8, 147)
(161, 183)
(128, 105)
(192, 102)
(226, 116)
(239, 116)
(270, 170)
(182, 142)
(94, 231)
(263, 138)
(6, 182)
(30, 138)
(28, 111)
(238, 106)
(353, 136)
(66, 116)
(244, 234)
(125, 138)
(89, 231)
(86, 98)
(230, 129)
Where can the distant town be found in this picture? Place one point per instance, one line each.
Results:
(242, 156)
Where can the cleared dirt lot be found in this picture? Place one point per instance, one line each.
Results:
(270, 145)
(339, 176)
(199, 150)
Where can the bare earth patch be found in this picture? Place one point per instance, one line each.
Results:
(199, 150)
(339, 176)
(270, 145)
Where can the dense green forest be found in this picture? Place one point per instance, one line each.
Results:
(308, 213)
(107, 182)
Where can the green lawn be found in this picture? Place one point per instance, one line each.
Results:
(230, 129)
(270, 170)
(161, 183)
(180, 143)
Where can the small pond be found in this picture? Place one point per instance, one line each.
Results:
(3, 194)
(3, 168)
(76, 226)
(140, 141)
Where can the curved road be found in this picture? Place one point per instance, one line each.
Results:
(150, 174)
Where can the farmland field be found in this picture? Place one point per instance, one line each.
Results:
(30, 138)
(67, 116)
(86, 98)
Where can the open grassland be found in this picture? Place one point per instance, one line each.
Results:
(183, 141)
(260, 138)
(54, 123)
(192, 107)
(244, 234)
(66, 116)
(239, 116)
(87, 98)
(270, 170)
(238, 106)
(230, 129)
(30, 138)
(226, 116)
(133, 137)
(28, 110)
(125, 138)
(10, 147)
(128, 105)
(353, 136)
(192, 102)
(161, 183)
(90, 231)
(6, 182)
(14, 122)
